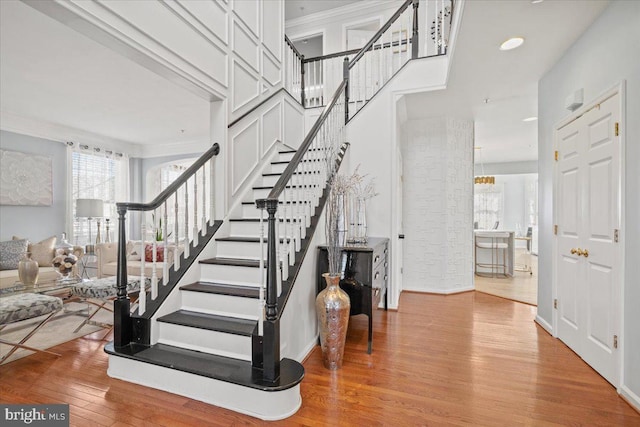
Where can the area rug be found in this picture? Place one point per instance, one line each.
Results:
(57, 331)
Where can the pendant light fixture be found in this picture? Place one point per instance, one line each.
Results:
(483, 179)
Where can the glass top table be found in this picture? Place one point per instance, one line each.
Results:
(52, 286)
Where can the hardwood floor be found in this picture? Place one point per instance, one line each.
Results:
(522, 287)
(465, 359)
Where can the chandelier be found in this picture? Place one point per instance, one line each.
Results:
(483, 179)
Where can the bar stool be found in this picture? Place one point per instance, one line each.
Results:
(497, 243)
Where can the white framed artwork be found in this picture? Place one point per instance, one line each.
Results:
(25, 179)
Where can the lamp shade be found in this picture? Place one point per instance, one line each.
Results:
(89, 208)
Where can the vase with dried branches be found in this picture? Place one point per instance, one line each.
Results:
(332, 303)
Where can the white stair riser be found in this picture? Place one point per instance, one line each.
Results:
(269, 180)
(222, 305)
(266, 405)
(277, 168)
(285, 157)
(242, 250)
(233, 273)
(252, 228)
(206, 341)
(251, 211)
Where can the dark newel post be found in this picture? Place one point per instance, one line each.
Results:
(302, 99)
(271, 357)
(415, 36)
(121, 306)
(345, 76)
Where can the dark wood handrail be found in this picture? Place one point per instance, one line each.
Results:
(174, 186)
(296, 51)
(378, 34)
(331, 55)
(293, 164)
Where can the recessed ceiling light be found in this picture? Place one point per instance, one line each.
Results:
(512, 43)
(536, 1)
(530, 119)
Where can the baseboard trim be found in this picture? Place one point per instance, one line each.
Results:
(306, 352)
(544, 324)
(630, 397)
(440, 291)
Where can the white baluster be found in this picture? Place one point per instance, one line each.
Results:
(154, 253)
(176, 232)
(142, 296)
(187, 241)
(195, 209)
(165, 244)
(203, 230)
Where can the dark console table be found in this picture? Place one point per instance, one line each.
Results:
(365, 276)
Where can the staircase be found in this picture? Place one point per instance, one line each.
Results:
(209, 347)
(209, 327)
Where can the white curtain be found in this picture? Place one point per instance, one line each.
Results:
(95, 173)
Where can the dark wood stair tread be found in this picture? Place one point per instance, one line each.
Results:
(233, 261)
(280, 203)
(295, 173)
(223, 289)
(211, 322)
(257, 220)
(220, 368)
(243, 239)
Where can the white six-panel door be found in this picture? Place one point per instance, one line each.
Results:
(588, 258)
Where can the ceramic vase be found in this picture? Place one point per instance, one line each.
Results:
(332, 308)
(28, 270)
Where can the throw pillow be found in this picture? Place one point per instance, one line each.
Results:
(148, 253)
(11, 252)
(43, 252)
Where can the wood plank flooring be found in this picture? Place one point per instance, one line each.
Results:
(522, 287)
(466, 359)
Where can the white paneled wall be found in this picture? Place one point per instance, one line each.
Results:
(438, 205)
(255, 134)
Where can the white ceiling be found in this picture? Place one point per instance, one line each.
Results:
(507, 78)
(297, 8)
(52, 74)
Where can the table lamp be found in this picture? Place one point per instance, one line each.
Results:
(90, 208)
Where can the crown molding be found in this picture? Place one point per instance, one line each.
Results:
(16, 123)
(358, 8)
(197, 146)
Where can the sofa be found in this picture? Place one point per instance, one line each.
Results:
(12, 251)
(107, 263)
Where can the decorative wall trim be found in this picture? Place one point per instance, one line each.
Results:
(25, 179)
(244, 19)
(274, 75)
(236, 103)
(197, 24)
(252, 59)
(135, 44)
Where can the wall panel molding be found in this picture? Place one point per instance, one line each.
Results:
(244, 86)
(244, 146)
(248, 12)
(245, 46)
(271, 72)
(206, 16)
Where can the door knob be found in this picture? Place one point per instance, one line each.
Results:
(579, 252)
(585, 253)
(573, 251)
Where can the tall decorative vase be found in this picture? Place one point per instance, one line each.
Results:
(361, 220)
(28, 270)
(332, 308)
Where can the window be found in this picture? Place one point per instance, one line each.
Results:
(97, 176)
(488, 206)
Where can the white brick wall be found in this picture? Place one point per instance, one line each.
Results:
(438, 205)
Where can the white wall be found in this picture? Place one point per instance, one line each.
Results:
(438, 206)
(607, 53)
(37, 222)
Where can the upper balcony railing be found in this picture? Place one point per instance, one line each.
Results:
(410, 33)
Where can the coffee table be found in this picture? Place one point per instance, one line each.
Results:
(60, 288)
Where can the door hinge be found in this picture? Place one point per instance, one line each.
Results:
(616, 235)
(617, 128)
(555, 303)
(615, 341)
(555, 229)
(556, 155)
